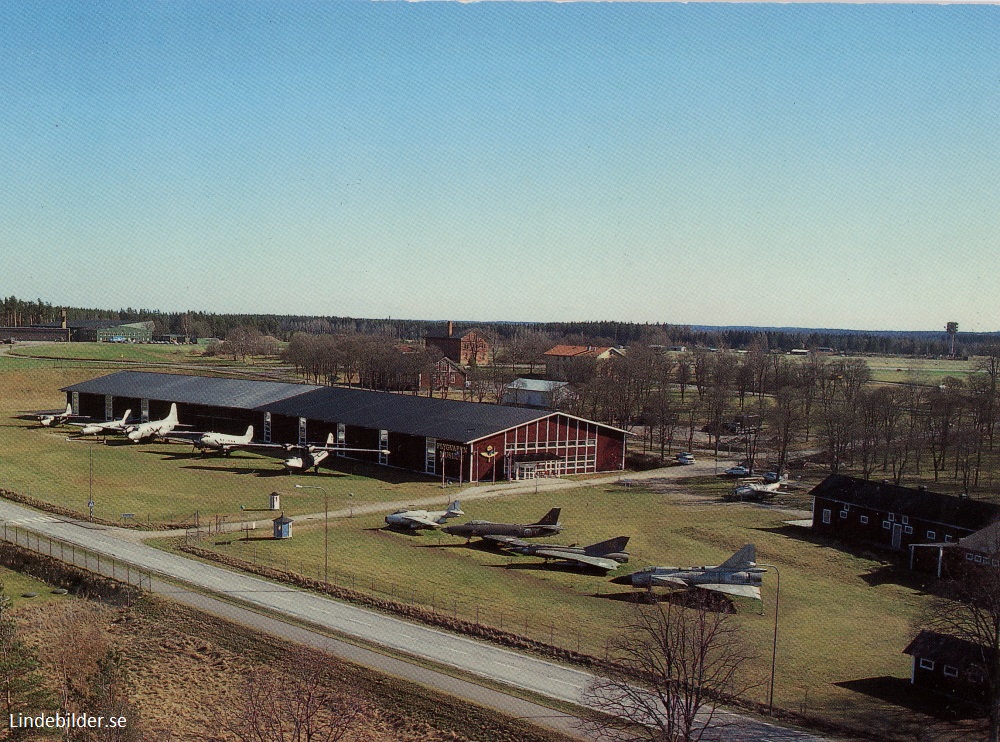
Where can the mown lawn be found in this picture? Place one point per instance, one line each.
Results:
(843, 615)
(159, 482)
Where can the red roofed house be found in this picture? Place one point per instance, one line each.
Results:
(559, 357)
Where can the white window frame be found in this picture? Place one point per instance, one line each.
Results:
(430, 455)
(864, 520)
(905, 520)
(827, 515)
(843, 514)
(75, 402)
(931, 535)
(926, 664)
(383, 446)
(303, 432)
(267, 427)
(907, 529)
(144, 411)
(887, 525)
(950, 672)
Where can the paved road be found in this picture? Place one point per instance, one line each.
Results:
(477, 658)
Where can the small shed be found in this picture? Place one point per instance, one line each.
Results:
(282, 526)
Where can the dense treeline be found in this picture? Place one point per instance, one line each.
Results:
(205, 324)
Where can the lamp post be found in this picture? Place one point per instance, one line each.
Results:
(326, 528)
(774, 643)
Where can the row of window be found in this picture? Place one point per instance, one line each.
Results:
(949, 671)
(542, 445)
(980, 559)
(887, 524)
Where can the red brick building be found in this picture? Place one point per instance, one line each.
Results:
(445, 376)
(469, 348)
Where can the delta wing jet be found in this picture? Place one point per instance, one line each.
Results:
(417, 519)
(739, 576)
(502, 533)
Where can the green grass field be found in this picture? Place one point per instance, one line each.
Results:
(159, 482)
(15, 585)
(842, 617)
(925, 371)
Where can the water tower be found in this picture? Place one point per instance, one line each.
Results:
(952, 329)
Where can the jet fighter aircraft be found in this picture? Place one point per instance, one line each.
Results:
(416, 519)
(502, 532)
(739, 575)
(606, 555)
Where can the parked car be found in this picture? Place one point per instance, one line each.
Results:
(737, 471)
(685, 458)
(771, 477)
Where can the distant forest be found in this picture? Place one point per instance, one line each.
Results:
(20, 312)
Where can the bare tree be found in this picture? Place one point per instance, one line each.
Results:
(669, 670)
(306, 707)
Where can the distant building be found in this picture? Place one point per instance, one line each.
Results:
(467, 349)
(133, 332)
(445, 375)
(539, 393)
(799, 352)
(895, 517)
(949, 558)
(557, 359)
(949, 665)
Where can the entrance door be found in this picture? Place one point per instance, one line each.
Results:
(897, 535)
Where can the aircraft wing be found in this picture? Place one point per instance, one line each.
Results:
(422, 520)
(509, 541)
(668, 580)
(589, 561)
(180, 436)
(740, 591)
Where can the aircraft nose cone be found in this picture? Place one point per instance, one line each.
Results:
(622, 580)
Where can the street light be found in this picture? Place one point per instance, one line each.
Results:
(774, 643)
(326, 529)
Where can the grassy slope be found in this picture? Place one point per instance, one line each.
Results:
(835, 626)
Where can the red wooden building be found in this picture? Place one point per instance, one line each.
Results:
(463, 441)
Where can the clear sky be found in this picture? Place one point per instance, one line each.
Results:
(806, 165)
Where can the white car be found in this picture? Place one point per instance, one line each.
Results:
(737, 471)
(685, 458)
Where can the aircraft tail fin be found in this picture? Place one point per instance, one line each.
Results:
(69, 409)
(551, 518)
(745, 557)
(126, 416)
(611, 546)
(172, 417)
(330, 440)
(454, 509)
(248, 436)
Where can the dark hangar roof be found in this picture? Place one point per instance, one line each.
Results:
(931, 506)
(447, 419)
(422, 416)
(201, 390)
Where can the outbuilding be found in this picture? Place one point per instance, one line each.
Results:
(895, 517)
(948, 665)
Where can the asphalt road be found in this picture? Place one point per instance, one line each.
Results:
(254, 595)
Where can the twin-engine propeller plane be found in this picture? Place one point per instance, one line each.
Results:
(502, 533)
(417, 519)
(103, 428)
(739, 576)
(52, 418)
(224, 443)
(154, 428)
(306, 456)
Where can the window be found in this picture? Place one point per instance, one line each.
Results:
(846, 507)
(826, 516)
(969, 557)
(947, 538)
(891, 517)
(926, 664)
(383, 447)
(864, 520)
(886, 524)
(931, 535)
(979, 559)
(906, 519)
(907, 529)
(950, 672)
(267, 427)
(843, 513)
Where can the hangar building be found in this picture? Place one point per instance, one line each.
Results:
(466, 441)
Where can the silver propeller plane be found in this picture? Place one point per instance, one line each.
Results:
(738, 576)
(103, 428)
(224, 443)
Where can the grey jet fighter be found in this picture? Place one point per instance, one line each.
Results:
(606, 555)
(503, 532)
(739, 576)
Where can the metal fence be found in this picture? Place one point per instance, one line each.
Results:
(78, 556)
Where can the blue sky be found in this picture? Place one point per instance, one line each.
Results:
(807, 165)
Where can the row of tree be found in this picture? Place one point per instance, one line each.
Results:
(207, 324)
